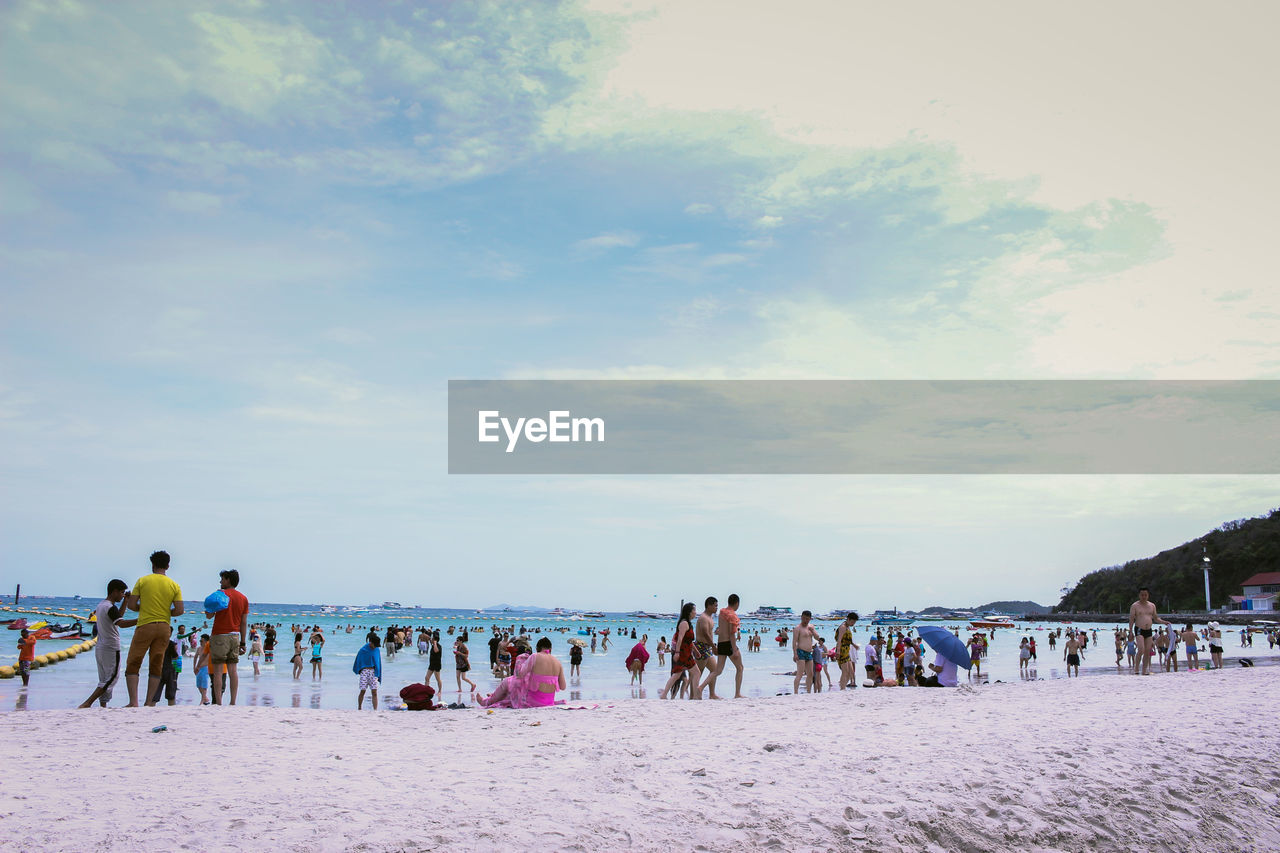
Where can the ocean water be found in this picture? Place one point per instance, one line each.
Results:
(603, 678)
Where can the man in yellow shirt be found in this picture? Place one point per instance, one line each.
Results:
(157, 599)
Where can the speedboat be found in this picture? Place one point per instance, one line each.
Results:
(769, 612)
(992, 621)
(592, 614)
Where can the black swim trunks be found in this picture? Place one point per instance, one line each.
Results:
(724, 647)
(1073, 660)
(1146, 632)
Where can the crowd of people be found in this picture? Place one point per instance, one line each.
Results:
(702, 646)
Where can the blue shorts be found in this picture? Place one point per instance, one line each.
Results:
(202, 678)
(804, 654)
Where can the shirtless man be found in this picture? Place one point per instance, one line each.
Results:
(802, 653)
(847, 652)
(1071, 654)
(1141, 615)
(727, 646)
(703, 648)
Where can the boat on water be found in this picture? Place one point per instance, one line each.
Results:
(393, 605)
(592, 614)
(992, 620)
(890, 617)
(770, 612)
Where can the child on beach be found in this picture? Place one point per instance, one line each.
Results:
(462, 663)
(368, 666)
(26, 655)
(1189, 642)
(255, 652)
(202, 668)
(1024, 656)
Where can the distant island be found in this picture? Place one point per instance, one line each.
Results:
(1011, 607)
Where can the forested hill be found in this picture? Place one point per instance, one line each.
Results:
(1237, 550)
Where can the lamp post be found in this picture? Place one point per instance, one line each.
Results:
(1207, 566)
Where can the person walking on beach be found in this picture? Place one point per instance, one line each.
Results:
(368, 665)
(1142, 615)
(156, 598)
(26, 655)
(846, 652)
(802, 640)
(1071, 654)
(109, 617)
(1024, 657)
(682, 662)
(704, 647)
(727, 645)
(1172, 656)
(662, 651)
(435, 662)
(229, 635)
(462, 663)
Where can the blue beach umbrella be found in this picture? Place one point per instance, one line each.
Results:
(946, 644)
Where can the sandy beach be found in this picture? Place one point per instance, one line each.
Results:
(1176, 763)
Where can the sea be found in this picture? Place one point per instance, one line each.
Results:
(604, 677)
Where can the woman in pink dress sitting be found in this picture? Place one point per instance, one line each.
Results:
(537, 677)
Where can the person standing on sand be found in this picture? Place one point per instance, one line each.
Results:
(802, 640)
(229, 634)
(1142, 615)
(1190, 642)
(201, 666)
(156, 598)
(846, 652)
(662, 651)
(109, 617)
(368, 665)
(1172, 656)
(727, 645)
(1215, 645)
(462, 664)
(1071, 654)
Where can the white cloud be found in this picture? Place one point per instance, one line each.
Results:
(608, 240)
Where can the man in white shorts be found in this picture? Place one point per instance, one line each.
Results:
(109, 617)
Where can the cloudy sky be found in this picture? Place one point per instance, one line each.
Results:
(245, 245)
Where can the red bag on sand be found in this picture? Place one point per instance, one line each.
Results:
(417, 697)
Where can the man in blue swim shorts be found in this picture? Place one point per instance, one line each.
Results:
(803, 638)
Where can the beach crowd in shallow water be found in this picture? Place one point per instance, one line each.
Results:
(706, 651)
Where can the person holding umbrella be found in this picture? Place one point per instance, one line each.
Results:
(950, 654)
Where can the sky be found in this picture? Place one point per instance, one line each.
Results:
(246, 245)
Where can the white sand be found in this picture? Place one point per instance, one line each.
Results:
(1182, 762)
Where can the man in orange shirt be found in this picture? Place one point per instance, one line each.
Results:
(229, 634)
(26, 655)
